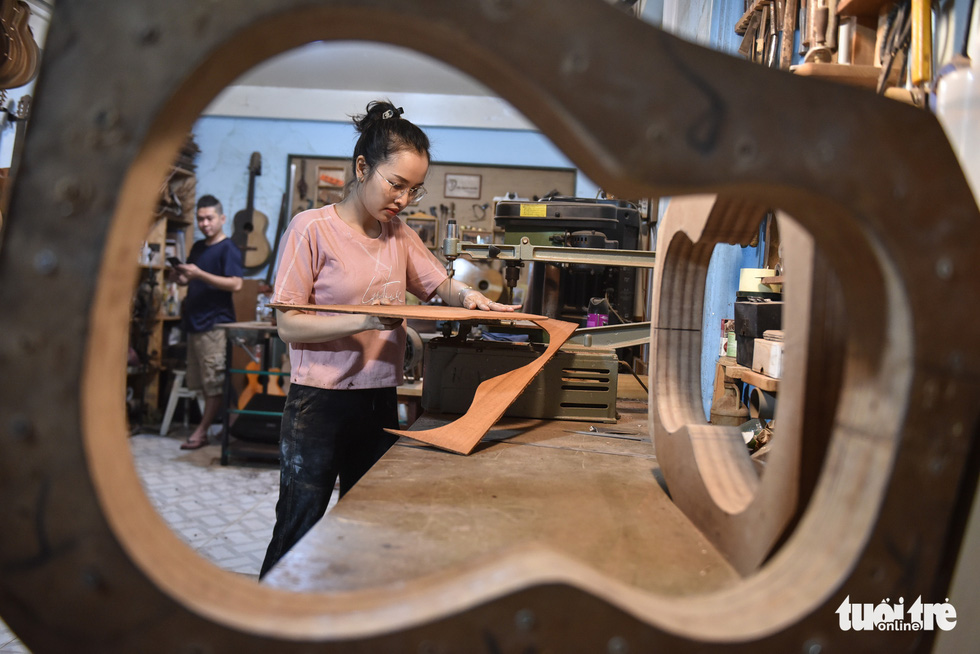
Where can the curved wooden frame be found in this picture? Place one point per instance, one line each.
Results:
(707, 467)
(87, 564)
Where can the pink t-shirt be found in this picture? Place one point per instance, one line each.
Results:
(324, 261)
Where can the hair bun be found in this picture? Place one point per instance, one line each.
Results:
(383, 131)
(377, 111)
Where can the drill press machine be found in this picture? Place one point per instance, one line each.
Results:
(577, 251)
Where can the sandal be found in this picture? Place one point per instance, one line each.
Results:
(194, 445)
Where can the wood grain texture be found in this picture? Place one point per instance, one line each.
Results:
(87, 565)
(414, 312)
(493, 395)
(492, 398)
(535, 485)
(707, 467)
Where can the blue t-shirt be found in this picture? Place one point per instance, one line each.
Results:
(205, 305)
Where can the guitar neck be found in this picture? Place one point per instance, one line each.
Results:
(250, 201)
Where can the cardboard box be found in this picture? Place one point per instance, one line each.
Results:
(767, 358)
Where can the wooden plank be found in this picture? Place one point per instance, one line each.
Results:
(493, 396)
(415, 312)
(763, 382)
(749, 376)
(865, 77)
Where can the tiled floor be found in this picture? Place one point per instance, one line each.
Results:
(8, 643)
(225, 513)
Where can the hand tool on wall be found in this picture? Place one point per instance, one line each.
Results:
(895, 45)
(747, 47)
(787, 30)
(772, 34)
(819, 20)
(920, 54)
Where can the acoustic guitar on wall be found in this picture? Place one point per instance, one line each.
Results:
(251, 225)
(19, 52)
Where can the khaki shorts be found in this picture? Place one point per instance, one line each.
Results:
(206, 362)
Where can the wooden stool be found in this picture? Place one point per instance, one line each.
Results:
(178, 391)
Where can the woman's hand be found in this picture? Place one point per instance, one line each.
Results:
(457, 294)
(383, 323)
(301, 327)
(470, 298)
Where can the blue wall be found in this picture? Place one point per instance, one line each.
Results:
(227, 144)
(719, 304)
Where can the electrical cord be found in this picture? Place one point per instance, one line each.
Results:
(636, 376)
(625, 322)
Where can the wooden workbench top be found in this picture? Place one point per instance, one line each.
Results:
(422, 513)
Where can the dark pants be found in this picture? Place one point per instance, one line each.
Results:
(325, 434)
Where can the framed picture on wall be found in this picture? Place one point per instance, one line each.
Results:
(425, 226)
(459, 185)
(330, 176)
(329, 184)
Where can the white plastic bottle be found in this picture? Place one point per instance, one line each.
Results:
(958, 110)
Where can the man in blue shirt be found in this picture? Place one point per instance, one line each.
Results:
(212, 273)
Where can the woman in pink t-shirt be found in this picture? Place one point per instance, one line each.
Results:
(344, 368)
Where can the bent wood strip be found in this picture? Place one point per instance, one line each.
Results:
(493, 395)
(414, 312)
(492, 398)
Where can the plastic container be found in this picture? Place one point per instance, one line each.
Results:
(958, 111)
(598, 312)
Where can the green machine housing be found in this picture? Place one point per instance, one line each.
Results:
(575, 222)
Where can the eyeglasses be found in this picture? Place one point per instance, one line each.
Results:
(415, 193)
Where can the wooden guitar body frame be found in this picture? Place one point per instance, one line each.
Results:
(87, 565)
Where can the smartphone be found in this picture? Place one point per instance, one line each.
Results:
(174, 261)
